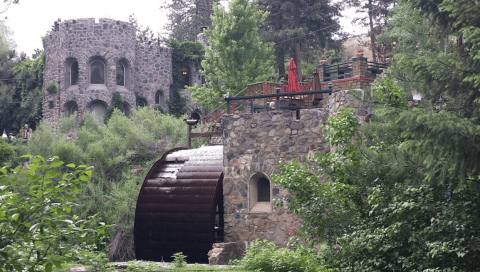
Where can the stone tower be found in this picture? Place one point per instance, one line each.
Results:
(89, 61)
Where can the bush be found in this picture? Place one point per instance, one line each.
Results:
(37, 228)
(262, 256)
(6, 152)
(113, 150)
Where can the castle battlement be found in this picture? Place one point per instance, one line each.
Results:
(89, 60)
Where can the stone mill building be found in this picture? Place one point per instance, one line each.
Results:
(88, 61)
(217, 196)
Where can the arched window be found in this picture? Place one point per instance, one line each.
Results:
(74, 73)
(263, 190)
(259, 196)
(99, 109)
(159, 98)
(71, 107)
(120, 78)
(71, 72)
(97, 72)
(141, 102)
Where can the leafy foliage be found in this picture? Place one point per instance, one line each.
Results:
(184, 54)
(119, 151)
(186, 17)
(376, 20)
(21, 92)
(179, 260)
(37, 227)
(262, 256)
(117, 103)
(236, 57)
(299, 25)
(403, 197)
(6, 152)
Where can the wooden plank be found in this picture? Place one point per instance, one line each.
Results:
(158, 236)
(166, 182)
(175, 199)
(187, 208)
(172, 217)
(171, 226)
(160, 191)
(206, 168)
(198, 175)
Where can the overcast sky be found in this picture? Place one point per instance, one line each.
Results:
(31, 19)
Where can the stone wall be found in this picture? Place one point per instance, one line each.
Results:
(147, 68)
(254, 144)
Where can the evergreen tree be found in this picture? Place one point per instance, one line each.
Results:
(377, 13)
(405, 197)
(21, 91)
(296, 24)
(436, 52)
(187, 16)
(236, 56)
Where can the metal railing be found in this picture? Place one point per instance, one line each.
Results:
(277, 95)
(336, 71)
(375, 68)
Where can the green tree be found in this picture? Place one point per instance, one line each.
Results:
(405, 196)
(296, 24)
(184, 54)
(21, 91)
(37, 229)
(436, 52)
(186, 17)
(376, 20)
(236, 56)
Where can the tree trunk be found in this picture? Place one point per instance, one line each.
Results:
(297, 49)
(297, 59)
(372, 33)
(280, 59)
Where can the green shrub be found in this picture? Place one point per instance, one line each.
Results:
(179, 260)
(52, 88)
(113, 150)
(37, 228)
(42, 140)
(6, 152)
(262, 256)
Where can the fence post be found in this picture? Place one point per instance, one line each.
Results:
(278, 99)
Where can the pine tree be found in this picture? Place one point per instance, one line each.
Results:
(405, 197)
(377, 13)
(296, 24)
(186, 17)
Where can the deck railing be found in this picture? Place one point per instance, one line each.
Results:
(338, 71)
(262, 88)
(375, 68)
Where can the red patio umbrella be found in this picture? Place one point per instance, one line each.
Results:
(292, 78)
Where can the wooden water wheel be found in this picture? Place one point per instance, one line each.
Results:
(180, 205)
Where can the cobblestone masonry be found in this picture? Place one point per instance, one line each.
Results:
(255, 143)
(148, 67)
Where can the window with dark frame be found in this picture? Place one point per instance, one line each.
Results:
(120, 78)
(97, 72)
(263, 190)
(74, 73)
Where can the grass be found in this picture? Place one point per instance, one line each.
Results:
(134, 266)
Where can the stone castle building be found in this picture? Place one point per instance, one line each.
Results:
(88, 61)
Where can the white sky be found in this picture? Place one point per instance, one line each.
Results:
(31, 19)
